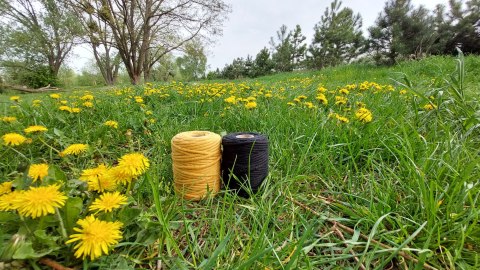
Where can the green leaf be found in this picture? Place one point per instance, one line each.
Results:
(72, 209)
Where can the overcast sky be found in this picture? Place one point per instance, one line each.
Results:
(252, 22)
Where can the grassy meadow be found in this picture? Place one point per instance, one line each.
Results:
(370, 168)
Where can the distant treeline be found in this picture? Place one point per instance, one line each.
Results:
(400, 32)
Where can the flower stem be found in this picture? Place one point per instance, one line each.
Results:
(62, 226)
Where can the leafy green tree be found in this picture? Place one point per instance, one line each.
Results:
(464, 21)
(401, 31)
(299, 47)
(193, 63)
(282, 50)
(235, 70)
(40, 32)
(263, 64)
(338, 37)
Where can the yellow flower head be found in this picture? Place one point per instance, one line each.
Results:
(95, 237)
(65, 108)
(133, 164)
(32, 129)
(322, 98)
(87, 104)
(76, 110)
(5, 187)
(339, 100)
(13, 139)
(231, 100)
(99, 179)
(9, 119)
(55, 96)
(364, 115)
(118, 175)
(6, 200)
(251, 105)
(40, 201)
(15, 98)
(87, 97)
(74, 149)
(36, 102)
(344, 91)
(429, 107)
(110, 123)
(38, 171)
(108, 201)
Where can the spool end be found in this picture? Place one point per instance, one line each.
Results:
(244, 136)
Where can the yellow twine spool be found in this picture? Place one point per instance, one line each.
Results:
(196, 163)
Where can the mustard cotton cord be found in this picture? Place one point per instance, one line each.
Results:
(196, 159)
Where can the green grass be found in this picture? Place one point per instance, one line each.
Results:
(408, 179)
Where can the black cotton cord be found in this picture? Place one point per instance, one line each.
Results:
(244, 161)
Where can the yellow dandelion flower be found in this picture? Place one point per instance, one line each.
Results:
(429, 107)
(342, 119)
(13, 139)
(65, 108)
(344, 91)
(231, 100)
(134, 164)
(403, 92)
(322, 98)
(64, 102)
(118, 175)
(138, 99)
(87, 97)
(36, 102)
(6, 200)
(55, 96)
(15, 98)
(40, 201)
(148, 113)
(309, 105)
(6, 187)
(268, 95)
(34, 129)
(364, 115)
(76, 110)
(95, 237)
(74, 149)
(302, 97)
(110, 123)
(98, 179)
(87, 104)
(9, 119)
(291, 104)
(108, 201)
(38, 171)
(251, 105)
(339, 100)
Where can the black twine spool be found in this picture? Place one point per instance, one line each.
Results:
(244, 161)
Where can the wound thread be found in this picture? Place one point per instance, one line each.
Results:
(244, 161)
(196, 163)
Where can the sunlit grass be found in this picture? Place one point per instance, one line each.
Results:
(407, 179)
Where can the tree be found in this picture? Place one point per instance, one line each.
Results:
(193, 63)
(42, 32)
(145, 31)
(283, 50)
(464, 21)
(401, 31)
(338, 37)
(263, 64)
(299, 48)
(100, 38)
